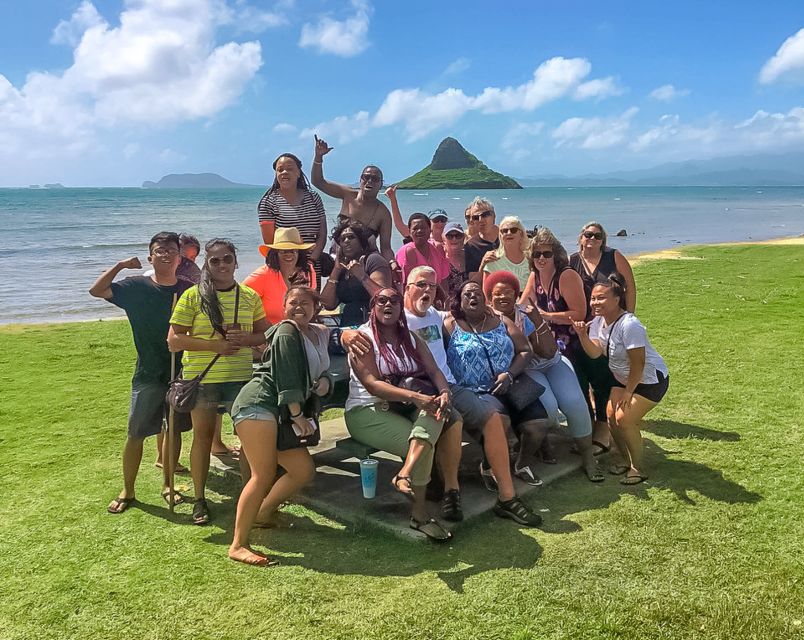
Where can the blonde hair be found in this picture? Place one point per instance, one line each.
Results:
(513, 221)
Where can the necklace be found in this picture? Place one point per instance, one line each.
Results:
(482, 325)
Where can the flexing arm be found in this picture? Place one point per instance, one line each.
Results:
(624, 268)
(103, 285)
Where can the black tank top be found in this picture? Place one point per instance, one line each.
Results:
(602, 271)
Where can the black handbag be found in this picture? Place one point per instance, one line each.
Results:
(183, 394)
(416, 384)
(524, 389)
(286, 437)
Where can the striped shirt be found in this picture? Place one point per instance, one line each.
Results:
(234, 368)
(306, 216)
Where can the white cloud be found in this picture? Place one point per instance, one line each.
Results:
(788, 61)
(668, 92)
(763, 132)
(161, 65)
(457, 66)
(599, 89)
(284, 127)
(517, 143)
(345, 38)
(421, 113)
(131, 150)
(594, 133)
(251, 19)
(70, 31)
(169, 157)
(340, 130)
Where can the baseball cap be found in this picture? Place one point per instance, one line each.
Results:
(437, 215)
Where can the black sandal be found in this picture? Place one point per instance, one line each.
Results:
(451, 506)
(432, 529)
(200, 512)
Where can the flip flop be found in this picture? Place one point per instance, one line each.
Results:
(200, 512)
(432, 529)
(635, 478)
(177, 497)
(602, 448)
(119, 505)
(618, 469)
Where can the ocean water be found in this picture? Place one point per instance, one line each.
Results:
(56, 242)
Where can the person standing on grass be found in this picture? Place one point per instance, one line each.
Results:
(221, 317)
(147, 302)
(641, 375)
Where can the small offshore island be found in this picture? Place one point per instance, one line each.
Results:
(453, 167)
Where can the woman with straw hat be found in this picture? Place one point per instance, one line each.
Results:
(287, 264)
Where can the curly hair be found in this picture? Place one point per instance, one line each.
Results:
(360, 230)
(500, 277)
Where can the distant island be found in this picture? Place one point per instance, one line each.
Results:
(196, 181)
(453, 167)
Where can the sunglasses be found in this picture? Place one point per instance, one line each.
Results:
(421, 284)
(384, 300)
(539, 254)
(511, 230)
(479, 216)
(592, 234)
(165, 252)
(368, 179)
(455, 236)
(227, 259)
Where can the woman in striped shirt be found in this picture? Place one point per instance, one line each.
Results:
(291, 202)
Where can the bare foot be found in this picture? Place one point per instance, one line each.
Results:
(247, 556)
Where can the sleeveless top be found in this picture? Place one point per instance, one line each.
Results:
(551, 300)
(602, 271)
(467, 359)
(358, 394)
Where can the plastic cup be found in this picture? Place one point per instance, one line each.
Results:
(368, 477)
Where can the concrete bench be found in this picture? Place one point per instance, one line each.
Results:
(353, 448)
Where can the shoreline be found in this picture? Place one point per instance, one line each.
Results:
(634, 259)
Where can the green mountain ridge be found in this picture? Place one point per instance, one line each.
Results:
(453, 167)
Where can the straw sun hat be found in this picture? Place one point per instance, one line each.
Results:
(285, 239)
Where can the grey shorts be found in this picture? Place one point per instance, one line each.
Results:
(475, 408)
(217, 395)
(149, 411)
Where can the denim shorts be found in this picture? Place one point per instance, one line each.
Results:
(253, 412)
(218, 394)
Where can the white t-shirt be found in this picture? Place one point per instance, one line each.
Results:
(358, 394)
(629, 333)
(430, 329)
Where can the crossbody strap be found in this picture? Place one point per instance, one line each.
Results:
(485, 351)
(611, 333)
(201, 375)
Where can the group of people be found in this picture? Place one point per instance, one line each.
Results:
(473, 332)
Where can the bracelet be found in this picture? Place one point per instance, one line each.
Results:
(317, 162)
(510, 376)
(333, 281)
(443, 391)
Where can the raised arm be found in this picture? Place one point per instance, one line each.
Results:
(384, 233)
(333, 189)
(103, 285)
(396, 214)
(624, 267)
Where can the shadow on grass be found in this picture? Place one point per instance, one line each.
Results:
(671, 429)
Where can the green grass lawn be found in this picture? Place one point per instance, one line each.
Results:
(711, 547)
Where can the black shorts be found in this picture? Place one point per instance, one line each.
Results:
(653, 392)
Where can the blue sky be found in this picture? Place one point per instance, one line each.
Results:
(114, 93)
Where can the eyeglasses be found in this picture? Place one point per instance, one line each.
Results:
(511, 230)
(227, 259)
(160, 252)
(539, 254)
(384, 300)
(455, 236)
(421, 284)
(592, 234)
(479, 216)
(368, 178)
